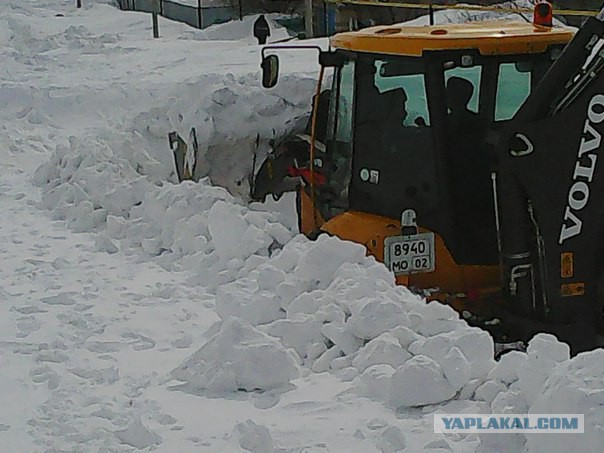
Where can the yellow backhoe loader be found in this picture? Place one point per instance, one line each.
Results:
(464, 157)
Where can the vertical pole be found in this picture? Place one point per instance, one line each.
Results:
(78, 3)
(155, 25)
(156, 8)
(199, 17)
(308, 16)
(240, 10)
(431, 14)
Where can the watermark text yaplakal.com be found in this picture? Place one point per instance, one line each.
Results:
(509, 423)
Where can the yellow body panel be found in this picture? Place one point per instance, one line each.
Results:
(310, 221)
(451, 278)
(489, 38)
(370, 230)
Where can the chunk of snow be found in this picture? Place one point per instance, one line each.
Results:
(489, 390)
(138, 436)
(418, 382)
(575, 386)
(384, 349)
(238, 357)
(376, 317)
(237, 300)
(376, 382)
(456, 368)
(297, 332)
(253, 437)
(325, 256)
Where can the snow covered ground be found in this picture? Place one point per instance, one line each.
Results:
(140, 315)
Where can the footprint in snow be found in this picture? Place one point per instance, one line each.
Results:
(29, 310)
(45, 374)
(27, 325)
(101, 376)
(103, 347)
(140, 342)
(51, 357)
(59, 299)
(183, 342)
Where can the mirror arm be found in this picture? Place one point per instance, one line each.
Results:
(289, 47)
(327, 58)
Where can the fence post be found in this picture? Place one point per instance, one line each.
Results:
(78, 3)
(155, 25)
(199, 14)
(240, 10)
(156, 8)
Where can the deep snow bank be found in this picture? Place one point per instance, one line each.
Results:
(229, 114)
(115, 181)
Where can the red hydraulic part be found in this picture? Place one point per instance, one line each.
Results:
(305, 173)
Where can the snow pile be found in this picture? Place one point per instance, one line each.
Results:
(115, 182)
(234, 118)
(575, 387)
(341, 311)
(101, 191)
(546, 381)
(239, 357)
(232, 121)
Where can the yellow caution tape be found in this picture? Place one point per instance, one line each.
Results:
(465, 7)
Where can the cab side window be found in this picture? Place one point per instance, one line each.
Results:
(513, 87)
(473, 77)
(413, 89)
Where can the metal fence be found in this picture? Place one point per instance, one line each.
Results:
(195, 16)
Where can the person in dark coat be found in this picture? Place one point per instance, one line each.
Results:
(261, 30)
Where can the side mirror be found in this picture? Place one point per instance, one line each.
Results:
(270, 71)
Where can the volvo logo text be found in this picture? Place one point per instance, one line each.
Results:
(578, 194)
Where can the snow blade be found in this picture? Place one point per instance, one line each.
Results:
(185, 156)
(179, 150)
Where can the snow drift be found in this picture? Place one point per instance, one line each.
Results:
(288, 307)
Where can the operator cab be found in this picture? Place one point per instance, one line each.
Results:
(413, 131)
(412, 119)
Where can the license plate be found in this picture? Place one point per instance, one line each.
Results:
(409, 254)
